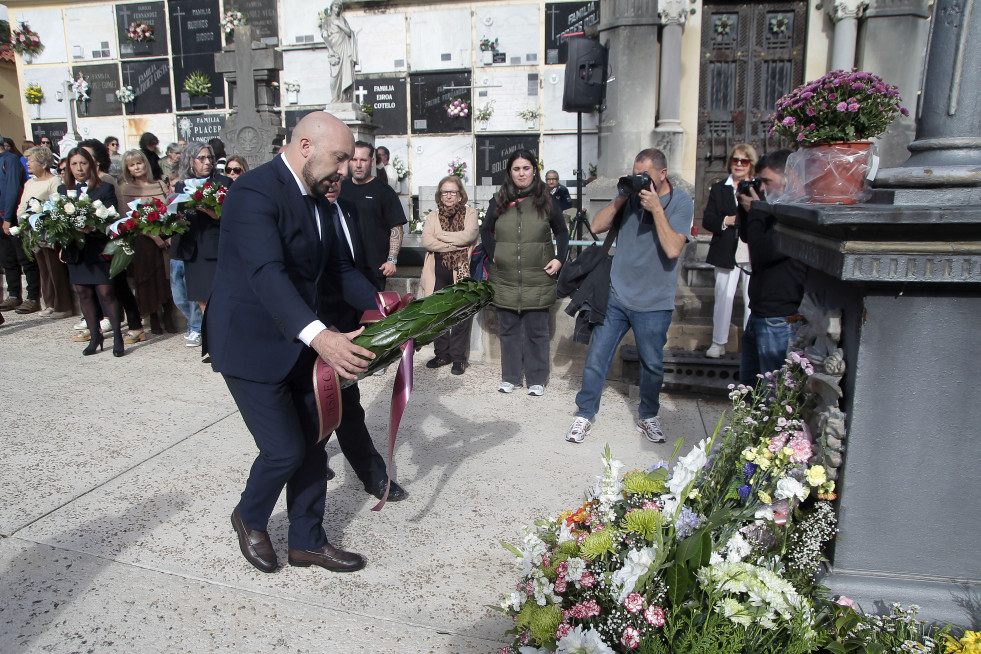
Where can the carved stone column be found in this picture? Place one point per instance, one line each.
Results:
(629, 29)
(845, 15)
(669, 136)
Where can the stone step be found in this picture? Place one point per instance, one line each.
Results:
(685, 370)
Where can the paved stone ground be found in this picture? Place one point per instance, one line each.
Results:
(118, 477)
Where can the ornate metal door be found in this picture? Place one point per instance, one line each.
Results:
(751, 55)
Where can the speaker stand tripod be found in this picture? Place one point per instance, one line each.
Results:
(580, 222)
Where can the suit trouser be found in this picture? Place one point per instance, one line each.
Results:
(283, 420)
(355, 441)
(14, 260)
(454, 344)
(55, 287)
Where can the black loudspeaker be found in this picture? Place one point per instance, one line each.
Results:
(585, 75)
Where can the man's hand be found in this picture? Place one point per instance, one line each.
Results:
(340, 353)
(210, 212)
(745, 200)
(650, 200)
(6, 227)
(552, 268)
(388, 268)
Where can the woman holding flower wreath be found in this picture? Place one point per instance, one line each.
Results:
(521, 221)
(88, 270)
(198, 246)
(149, 267)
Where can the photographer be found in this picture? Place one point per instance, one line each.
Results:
(654, 220)
(776, 286)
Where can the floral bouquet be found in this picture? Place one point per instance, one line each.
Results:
(197, 84)
(899, 631)
(530, 114)
(231, 20)
(139, 33)
(80, 87)
(199, 193)
(125, 94)
(483, 114)
(486, 45)
(60, 219)
(145, 217)
(457, 109)
(400, 168)
(841, 106)
(26, 41)
(676, 562)
(33, 93)
(457, 167)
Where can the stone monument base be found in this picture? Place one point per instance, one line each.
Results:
(359, 122)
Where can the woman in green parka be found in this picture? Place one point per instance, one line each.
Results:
(521, 221)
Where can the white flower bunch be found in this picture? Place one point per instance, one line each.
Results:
(579, 641)
(608, 489)
(638, 562)
(125, 94)
(81, 89)
(769, 598)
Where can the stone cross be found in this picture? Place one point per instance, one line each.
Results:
(360, 95)
(252, 130)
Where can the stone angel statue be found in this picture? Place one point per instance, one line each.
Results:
(342, 51)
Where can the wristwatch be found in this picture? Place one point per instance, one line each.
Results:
(392, 260)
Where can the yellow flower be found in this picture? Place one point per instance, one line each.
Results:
(765, 497)
(764, 464)
(816, 476)
(786, 451)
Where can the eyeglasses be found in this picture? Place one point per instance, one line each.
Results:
(45, 142)
(204, 158)
(551, 179)
(740, 161)
(449, 193)
(234, 171)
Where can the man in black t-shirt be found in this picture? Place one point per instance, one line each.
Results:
(379, 211)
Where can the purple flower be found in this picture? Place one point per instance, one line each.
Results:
(842, 106)
(904, 111)
(806, 95)
(801, 137)
(688, 521)
(811, 111)
(749, 469)
(788, 121)
(858, 85)
(853, 107)
(744, 492)
(832, 96)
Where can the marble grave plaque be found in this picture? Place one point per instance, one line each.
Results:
(103, 81)
(263, 16)
(150, 13)
(206, 64)
(447, 35)
(379, 55)
(51, 79)
(564, 19)
(293, 117)
(150, 80)
(200, 127)
(493, 152)
(54, 131)
(50, 26)
(387, 97)
(429, 95)
(516, 29)
(90, 33)
(195, 29)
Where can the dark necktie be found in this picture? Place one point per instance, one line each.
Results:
(312, 207)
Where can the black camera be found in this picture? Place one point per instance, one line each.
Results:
(630, 184)
(756, 184)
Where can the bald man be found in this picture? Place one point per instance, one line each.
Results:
(277, 247)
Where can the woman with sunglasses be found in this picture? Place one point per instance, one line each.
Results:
(198, 246)
(235, 166)
(726, 251)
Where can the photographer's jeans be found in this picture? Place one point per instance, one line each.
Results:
(765, 344)
(178, 288)
(650, 332)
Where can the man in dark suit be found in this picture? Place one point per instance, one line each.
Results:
(263, 329)
(352, 433)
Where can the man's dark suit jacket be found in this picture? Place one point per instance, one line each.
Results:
(271, 261)
(721, 203)
(337, 312)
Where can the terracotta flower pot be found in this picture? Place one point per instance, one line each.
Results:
(835, 172)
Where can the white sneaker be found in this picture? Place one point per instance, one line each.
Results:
(506, 387)
(80, 326)
(193, 339)
(536, 389)
(105, 325)
(716, 350)
(651, 428)
(579, 430)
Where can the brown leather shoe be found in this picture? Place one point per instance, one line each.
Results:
(255, 545)
(329, 557)
(10, 303)
(28, 306)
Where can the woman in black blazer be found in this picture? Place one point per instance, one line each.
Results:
(198, 246)
(88, 270)
(720, 219)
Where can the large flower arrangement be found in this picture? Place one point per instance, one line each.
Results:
(457, 109)
(231, 20)
(486, 45)
(688, 561)
(60, 219)
(33, 93)
(199, 193)
(80, 87)
(145, 217)
(841, 106)
(197, 84)
(26, 41)
(400, 168)
(139, 33)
